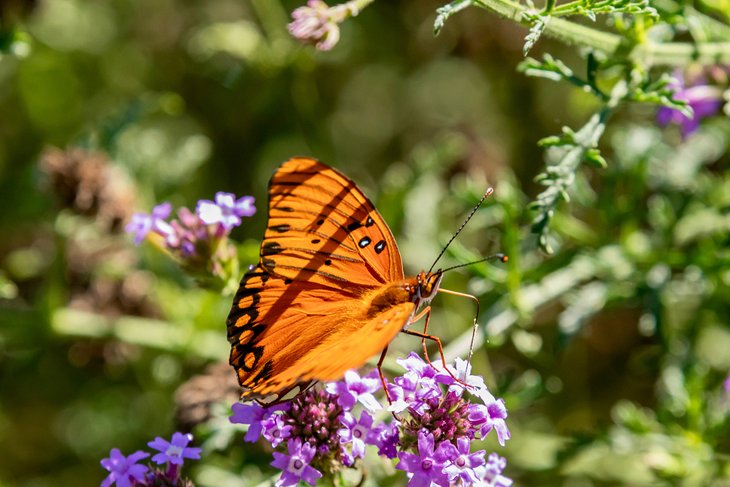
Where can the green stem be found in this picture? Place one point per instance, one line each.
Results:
(570, 8)
(671, 53)
(273, 19)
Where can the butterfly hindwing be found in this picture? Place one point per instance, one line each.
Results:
(323, 229)
(285, 332)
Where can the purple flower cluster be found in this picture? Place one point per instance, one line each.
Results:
(318, 23)
(703, 98)
(127, 472)
(210, 219)
(430, 432)
(198, 240)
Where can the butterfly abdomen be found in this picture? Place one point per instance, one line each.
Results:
(385, 298)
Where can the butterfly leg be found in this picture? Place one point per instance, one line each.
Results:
(427, 313)
(382, 376)
(384, 382)
(476, 315)
(436, 339)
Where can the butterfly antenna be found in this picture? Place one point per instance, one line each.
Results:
(487, 193)
(499, 256)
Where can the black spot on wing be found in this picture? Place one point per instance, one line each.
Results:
(380, 246)
(268, 263)
(353, 226)
(364, 242)
(271, 248)
(283, 228)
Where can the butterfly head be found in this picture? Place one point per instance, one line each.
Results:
(428, 284)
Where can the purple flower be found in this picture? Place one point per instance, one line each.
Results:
(462, 371)
(357, 433)
(427, 466)
(386, 437)
(295, 465)
(199, 242)
(315, 418)
(142, 224)
(413, 363)
(174, 451)
(317, 23)
(703, 99)
(355, 389)
(253, 415)
(463, 463)
(491, 473)
(187, 230)
(227, 210)
(726, 384)
(446, 417)
(491, 416)
(431, 438)
(411, 392)
(275, 430)
(124, 471)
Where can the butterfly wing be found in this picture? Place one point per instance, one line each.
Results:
(303, 313)
(286, 332)
(322, 229)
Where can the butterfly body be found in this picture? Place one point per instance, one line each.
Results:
(329, 290)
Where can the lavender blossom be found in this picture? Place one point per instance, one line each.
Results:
(295, 465)
(142, 224)
(432, 436)
(356, 389)
(124, 471)
(318, 23)
(226, 211)
(463, 464)
(356, 433)
(387, 438)
(412, 390)
(174, 451)
(491, 474)
(255, 416)
(275, 430)
(198, 241)
(427, 466)
(704, 100)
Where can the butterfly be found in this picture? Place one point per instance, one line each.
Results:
(329, 290)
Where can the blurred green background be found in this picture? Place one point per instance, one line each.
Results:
(610, 353)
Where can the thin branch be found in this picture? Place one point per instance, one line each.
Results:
(648, 53)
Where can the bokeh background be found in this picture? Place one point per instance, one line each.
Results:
(610, 353)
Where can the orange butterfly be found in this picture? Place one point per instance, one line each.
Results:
(329, 290)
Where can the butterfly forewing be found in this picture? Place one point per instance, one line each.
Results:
(323, 229)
